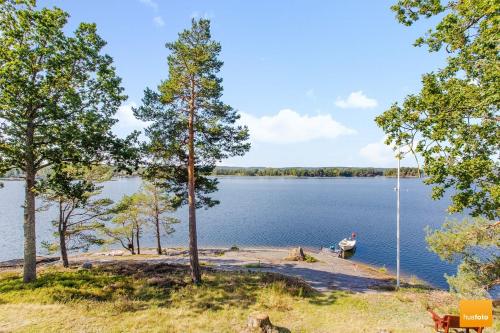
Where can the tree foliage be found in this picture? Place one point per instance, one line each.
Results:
(193, 68)
(81, 213)
(60, 87)
(476, 244)
(155, 205)
(127, 224)
(453, 122)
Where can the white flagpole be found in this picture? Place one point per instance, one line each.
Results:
(397, 220)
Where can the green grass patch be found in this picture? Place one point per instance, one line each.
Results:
(310, 258)
(205, 264)
(253, 265)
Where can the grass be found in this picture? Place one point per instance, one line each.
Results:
(253, 265)
(310, 258)
(138, 297)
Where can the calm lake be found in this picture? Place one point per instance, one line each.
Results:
(272, 211)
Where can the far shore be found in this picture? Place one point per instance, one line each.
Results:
(249, 176)
(325, 177)
(328, 272)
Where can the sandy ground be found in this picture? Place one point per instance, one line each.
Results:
(329, 273)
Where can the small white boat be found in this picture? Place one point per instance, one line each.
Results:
(347, 244)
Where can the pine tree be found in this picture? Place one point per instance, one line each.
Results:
(192, 129)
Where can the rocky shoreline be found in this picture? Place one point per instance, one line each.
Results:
(324, 272)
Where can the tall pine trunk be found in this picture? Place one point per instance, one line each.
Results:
(29, 268)
(62, 245)
(158, 241)
(157, 219)
(137, 232)
(131, 245)
(62, 237)
(193, 242)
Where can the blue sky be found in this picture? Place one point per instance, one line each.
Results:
(308, 76)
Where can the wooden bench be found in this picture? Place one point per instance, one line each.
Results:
(448, 321)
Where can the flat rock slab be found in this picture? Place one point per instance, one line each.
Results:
(329, 273)
(20, 262)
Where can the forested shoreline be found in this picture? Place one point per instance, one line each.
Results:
(315, 172)
(406, 172)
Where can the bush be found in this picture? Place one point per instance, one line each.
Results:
(310, 258)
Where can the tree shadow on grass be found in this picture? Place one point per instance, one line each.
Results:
(391, 286)
(219, 290)
(329, 298)
(240, 289)
(135, 285)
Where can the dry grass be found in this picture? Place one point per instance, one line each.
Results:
(137, 297)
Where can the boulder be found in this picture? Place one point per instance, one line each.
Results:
(296, 254)
(87, 265)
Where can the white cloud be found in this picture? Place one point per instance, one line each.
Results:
(126, 115)
(378, 153)
(158, 21)
(127, 122)
(356, 100)
(150, 3)
(288, 126)
(381, 155)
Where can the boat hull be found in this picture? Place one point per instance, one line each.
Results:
(347, 245)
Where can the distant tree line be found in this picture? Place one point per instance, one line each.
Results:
(404, 172)
(315, 172)
(278, 172)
